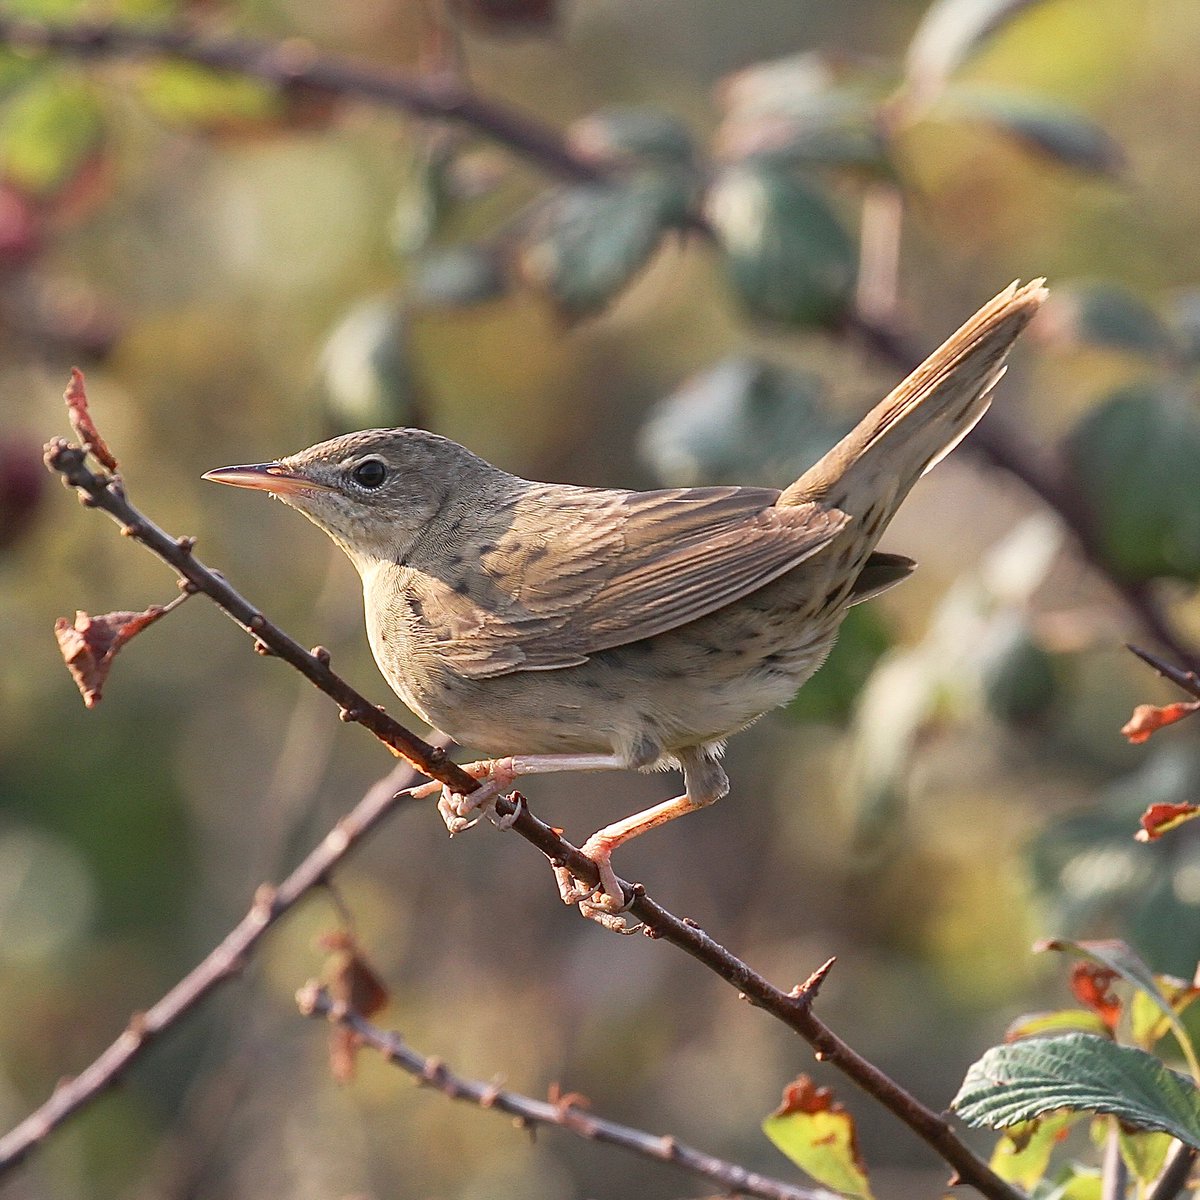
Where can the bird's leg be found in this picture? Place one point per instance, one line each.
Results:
(704, 782)
(497, 775)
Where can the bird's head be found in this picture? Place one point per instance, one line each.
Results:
(375, 492)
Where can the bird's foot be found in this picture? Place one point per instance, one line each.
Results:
(461, 811)
(605, 903)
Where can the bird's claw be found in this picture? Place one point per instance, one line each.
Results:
(605, 902)
(460, 811)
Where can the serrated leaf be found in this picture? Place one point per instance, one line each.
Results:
(1023, 1152)
(818, 1135)
(48, 131)
(628, 136)
(365, 373)
(1136, 460)
(1080, 1020)
(1050, 129)
(789, 259)
(1106, 314)
(1078, 1073)
(743, 419)
(584, 244)
(191, 95)
(951, 31)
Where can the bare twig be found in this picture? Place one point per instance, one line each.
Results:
(315, 1001)
(298, 67)
(1187, 681)
(221, 965)
(793, 1009)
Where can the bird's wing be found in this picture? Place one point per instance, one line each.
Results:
(579, 570)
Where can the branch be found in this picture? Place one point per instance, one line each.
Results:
(298, 67)
(1175, 1176)
(793, 1009)
(315, 1001)
(221, 965)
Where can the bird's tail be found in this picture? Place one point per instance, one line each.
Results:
(873, 467)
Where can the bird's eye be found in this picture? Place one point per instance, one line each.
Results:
(369, 473)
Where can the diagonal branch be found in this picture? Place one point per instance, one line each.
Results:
(224, 963)
(297, 67)
(730, 1177)
(793, 1008)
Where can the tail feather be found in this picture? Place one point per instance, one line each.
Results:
(873, 467)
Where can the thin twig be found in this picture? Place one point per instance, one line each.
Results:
(1187, 681)
(793, 1009)
(296, 66)
(221, 965)
(315, 1001)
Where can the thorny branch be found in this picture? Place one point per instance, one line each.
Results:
(315, 1001)
(222, 964)
(793, 1008)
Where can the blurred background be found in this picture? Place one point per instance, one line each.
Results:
(802, 198)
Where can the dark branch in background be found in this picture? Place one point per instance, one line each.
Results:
(794, 1009)
(297, 67)
(315, 1001)
(1175, 1176)
(221, 965)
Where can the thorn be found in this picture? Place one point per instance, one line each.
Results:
(690, 923)
(132, 529)
(321, 655)
(261, 647)
(806, 992)
(185, 544)
(1187, 680)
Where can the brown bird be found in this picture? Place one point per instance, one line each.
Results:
(596, 629)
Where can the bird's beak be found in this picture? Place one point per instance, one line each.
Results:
(266, 477)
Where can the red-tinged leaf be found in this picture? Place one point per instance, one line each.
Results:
(1162, 818)
(89, 645)
(1064, 1020)
(1091, 984)
(818, 1135)
(1149, 718)
(82, 423)
(352, 983)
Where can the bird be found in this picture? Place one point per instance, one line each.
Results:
(579, 628)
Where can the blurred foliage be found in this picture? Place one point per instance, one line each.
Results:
(251, 270)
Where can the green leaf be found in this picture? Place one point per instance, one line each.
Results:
(1136, 461)
(1118, 956)
(951, 31)
(628, 136)
(191, 95)
(1144, 1153)
(1078, 1073)
(1050, 129)
(365, 375)
(49, 131)
(1148, 1023)
(1023, 1153)
(584, 244)
(818, 1135)
(1106, 314)
(1017, 675)
(788, 258)
(744, 419)
(457, 277)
